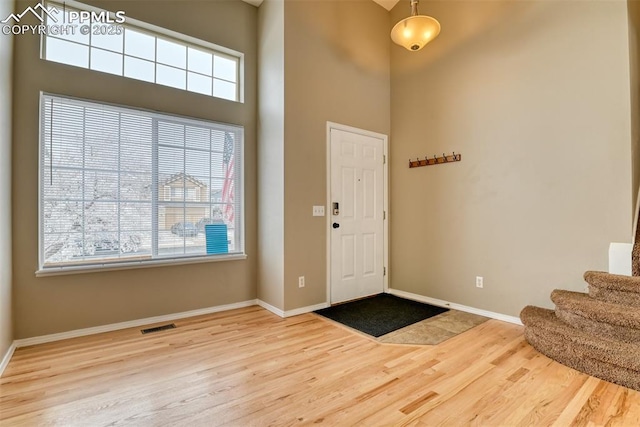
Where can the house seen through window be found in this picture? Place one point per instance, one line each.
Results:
(119, 184)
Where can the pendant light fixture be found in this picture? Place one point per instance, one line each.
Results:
(414, 32)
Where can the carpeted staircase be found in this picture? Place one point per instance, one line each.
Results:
(596, 333)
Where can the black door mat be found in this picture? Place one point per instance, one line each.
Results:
(380, 314)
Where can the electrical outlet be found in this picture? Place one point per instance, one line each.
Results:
(301, 282)
(479, 282)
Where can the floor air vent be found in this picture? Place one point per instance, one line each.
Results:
(158, 328)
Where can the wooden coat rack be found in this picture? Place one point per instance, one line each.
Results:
(429, 161)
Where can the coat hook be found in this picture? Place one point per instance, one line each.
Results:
(435, 160)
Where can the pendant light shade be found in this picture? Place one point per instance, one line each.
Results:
(414, 32)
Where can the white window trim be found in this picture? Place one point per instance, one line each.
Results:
(147, 263)
(154, 30)
(115, 266)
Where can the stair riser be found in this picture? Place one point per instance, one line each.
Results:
(616, 282)
(604, 330)
(545, 323)
(613, 296)
(572, 355)
(596, 310)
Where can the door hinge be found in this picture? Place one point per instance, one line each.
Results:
(384, 271)
(384, 159)
(384, 214)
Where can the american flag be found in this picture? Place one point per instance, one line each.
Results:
(228, 187)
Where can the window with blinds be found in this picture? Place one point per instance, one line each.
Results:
(125, 185)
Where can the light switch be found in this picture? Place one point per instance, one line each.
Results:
(318, 211)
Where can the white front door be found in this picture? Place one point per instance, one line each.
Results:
(356, 215)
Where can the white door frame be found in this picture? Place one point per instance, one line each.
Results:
(385, 149)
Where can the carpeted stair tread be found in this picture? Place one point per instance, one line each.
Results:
(614, 288)
(550, 339)
(613, 321)
(585, 306)
(614, 282)
(562, 342)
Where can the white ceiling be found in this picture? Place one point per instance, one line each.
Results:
(387, 4)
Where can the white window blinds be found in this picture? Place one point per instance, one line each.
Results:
(125, 185)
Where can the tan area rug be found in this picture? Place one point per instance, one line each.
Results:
(434, 330)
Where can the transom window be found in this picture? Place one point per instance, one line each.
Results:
(141, 51)
(125, 185)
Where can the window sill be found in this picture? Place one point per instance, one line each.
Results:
(94, 268)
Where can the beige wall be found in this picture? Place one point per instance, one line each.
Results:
(535, 95)
(55, 304)
(271, 153)
(336, 69)
(6, 61)
(633, 7)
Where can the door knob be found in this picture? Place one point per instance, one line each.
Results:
(336, 225)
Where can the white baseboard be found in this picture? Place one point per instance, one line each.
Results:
(269, 307)
(459, 307)
(130, 324)
(159, 319)
(294, 312)
(7, 357)
(303, 310)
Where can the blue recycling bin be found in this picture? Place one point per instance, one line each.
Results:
(216, 238)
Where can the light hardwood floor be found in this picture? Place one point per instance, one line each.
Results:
(249, 367)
